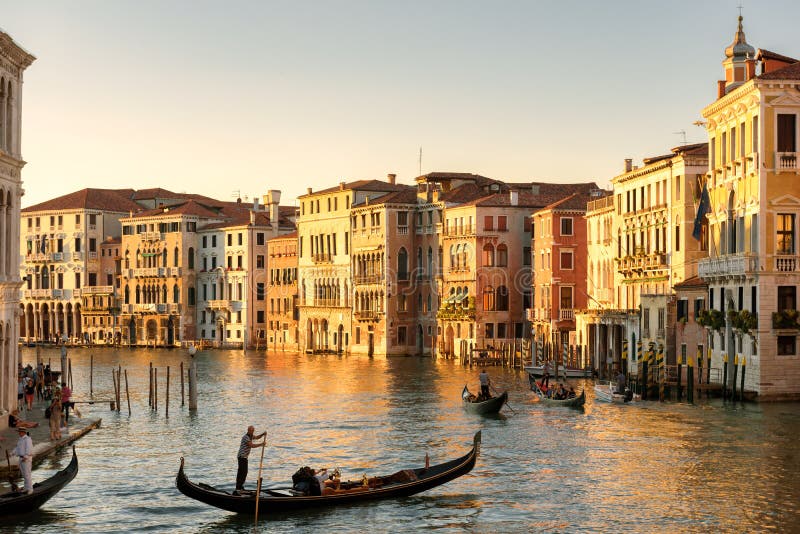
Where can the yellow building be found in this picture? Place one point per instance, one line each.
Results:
(754, 193)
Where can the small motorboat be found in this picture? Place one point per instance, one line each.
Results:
(607, 392)
(487, 406)
(271, 501)
(19, 502)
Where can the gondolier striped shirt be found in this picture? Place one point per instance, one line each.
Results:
(244, 448)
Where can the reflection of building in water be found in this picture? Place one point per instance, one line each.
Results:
(13, 62)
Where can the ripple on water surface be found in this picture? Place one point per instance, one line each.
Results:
(607, 468)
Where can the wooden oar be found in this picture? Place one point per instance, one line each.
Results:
(258, 486)
(506, 403)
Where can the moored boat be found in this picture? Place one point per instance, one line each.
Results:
(400, 484)
(574, 402)
(607, 392)
(487, 406)
(20, 502)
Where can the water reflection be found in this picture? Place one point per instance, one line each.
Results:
(662, 467)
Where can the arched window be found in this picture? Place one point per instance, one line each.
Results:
(138, 294)
(419, 303)
(430, 302)
(488, 299)
(138, 258)
(164, 258)
(488, 255)
(501, 300)
(465, 297)
(402, 264)
(419, 261)
(191, 257)
(452, 257)
(190, 295)
(176, 294)
(164, 293)
(175, 258)
(429, 269)
(127, 295)
(502, 255)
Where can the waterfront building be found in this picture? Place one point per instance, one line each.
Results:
(61, 260)
(232, 276)
(652, 247)
(279, 330)
(324, 262)
(560, 269)
(99, 304)
(13, 62)
(754, 203)
(393, 274)
(691, 340)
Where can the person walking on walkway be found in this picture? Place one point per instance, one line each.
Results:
(55, 419)
(24, 451)
(66, 401)
(244, 452)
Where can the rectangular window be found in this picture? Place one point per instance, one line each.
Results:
(488, 222)
(239, 238)
(526, 256)
(501, 330)
(786, 132)
(259, 261)
(358, 335)
(733, 143)
(402, 218)
(742, 147)
(260, 291)
(683, 310)
(784, 243)
(566, 260)
(566, 298)
(724, 148)
(786, 345)
(489, 331)
(699, 305)
(754, 133)
(92, 244)
(787, 298)
(502, 223)
(566, 226)
(213, 241)
(77, 280)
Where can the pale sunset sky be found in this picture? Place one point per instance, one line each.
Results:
(217, 97)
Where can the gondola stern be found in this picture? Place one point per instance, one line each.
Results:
(476, 442)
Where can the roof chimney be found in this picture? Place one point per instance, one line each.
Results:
(514, 197)
(628, 164)
(252, 217)
(274, 199)
(391, 178)
(341, 186)
(535, 189)
(309, 190)
(255, 203)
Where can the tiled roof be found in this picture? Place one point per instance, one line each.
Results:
(529, 199)
(696, 149)
(464, 193)
(408, 195)
(292, 235)
(190, 207)
(768, 54)
(360, 185)
(695, 282)
(573, 202)
(791, 72)
(118, 200)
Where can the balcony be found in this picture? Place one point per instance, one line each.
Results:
(97, 290)
(323, 257)
(77, 256)
(368, 279)
(93, 255)
(459, 231)
(144, 272)
(786, 263)
(367, 315)
(37, 257)
(173, 271)
(567, 315)
(150, 236)
(222, 304)
(402, 230)
(786, 161)
(729, 265)
(39, 293)
(600, 203)
(537, 314)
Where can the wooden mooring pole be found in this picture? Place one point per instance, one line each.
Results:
(127, 393)
(150, 387)
(166, 404)
(155, 388)
(114, 379)
(741, 389)
(91, 375)
(182, 398)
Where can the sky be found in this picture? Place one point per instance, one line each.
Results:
(236, 98)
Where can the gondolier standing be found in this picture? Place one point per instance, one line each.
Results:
(484, 379)
(24, 450)
(244, 452)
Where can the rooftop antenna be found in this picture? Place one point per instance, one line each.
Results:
(420, 161)
(237, 193)
(682, 133)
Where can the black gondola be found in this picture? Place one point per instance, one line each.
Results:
(400, 484)
(488, 406)
(19, 502)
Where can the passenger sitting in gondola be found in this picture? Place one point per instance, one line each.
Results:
(561, 393)
(571, 394)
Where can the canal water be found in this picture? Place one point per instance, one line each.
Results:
(641, 468)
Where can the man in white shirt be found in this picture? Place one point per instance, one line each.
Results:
(24, 450)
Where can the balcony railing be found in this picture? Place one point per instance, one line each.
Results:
(368, 279)
(142, 272)
(729, 265)
(38, 293)
(97, 290)
(367, 315)
(77, 256)
(402, 230)
(322, 257)
(150, 236)
(459, 230)
(786, 263)
(786, 161)
(93, 255)
(567, 315)
(173, 271)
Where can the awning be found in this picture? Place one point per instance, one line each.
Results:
(459, 297)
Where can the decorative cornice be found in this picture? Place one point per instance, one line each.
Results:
(15, 53)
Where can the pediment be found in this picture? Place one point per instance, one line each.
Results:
(785, 200)
(786, 99)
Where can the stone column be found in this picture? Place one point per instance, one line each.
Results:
(4, 253)
(4, 126)
(39, 326)
(75, 322)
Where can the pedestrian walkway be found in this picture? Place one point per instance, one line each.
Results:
(42, 446)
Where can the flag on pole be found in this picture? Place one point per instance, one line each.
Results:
(702, 209)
